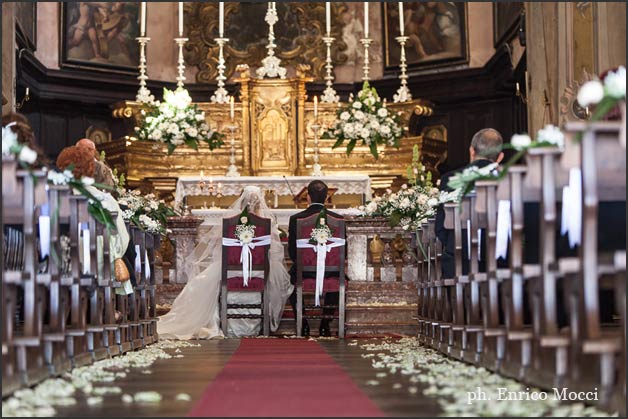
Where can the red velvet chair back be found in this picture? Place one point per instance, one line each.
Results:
(335, 258)
(259, 254)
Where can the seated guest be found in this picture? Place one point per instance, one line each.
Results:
(316, 196)
(82, 161)
(102, 172)
(486, 148)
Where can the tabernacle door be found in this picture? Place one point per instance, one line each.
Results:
(273, 126)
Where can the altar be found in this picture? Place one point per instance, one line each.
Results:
(277, 186)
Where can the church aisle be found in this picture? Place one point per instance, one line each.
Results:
(325, 377)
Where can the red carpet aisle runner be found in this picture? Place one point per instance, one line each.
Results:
(283, 377)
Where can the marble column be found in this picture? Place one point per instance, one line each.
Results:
(184, 233)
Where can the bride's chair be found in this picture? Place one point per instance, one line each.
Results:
(334, 272)
(233, 255)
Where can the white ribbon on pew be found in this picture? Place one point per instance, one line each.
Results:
(564, 214)
(138, 259)
(44, 235)
(245, 254)
(146, 266)
(321, 250)
(469, 239)
(86, 254)
(504, 229)
(575, 207)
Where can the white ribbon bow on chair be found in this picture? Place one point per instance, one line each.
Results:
(245, 255)
(321, 250)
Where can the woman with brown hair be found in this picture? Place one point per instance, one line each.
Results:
(81, 160)
(19, 124)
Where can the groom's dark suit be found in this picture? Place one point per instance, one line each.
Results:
(331, 298)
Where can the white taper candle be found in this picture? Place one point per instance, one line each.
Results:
(401, 23)
(231, 108)
(221, 17)
(180, 19)
(328, 17)
(366, 19)
(143, 19)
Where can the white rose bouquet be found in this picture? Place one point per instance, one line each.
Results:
(245, 231)
(603, 96)
(145, 211)
(367, 120)
(176, 121)
(321, 232)
(25, 155)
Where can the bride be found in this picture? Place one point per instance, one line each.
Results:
(195, 312)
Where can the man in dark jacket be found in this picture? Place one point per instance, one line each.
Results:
(316, 196)
(486, 148)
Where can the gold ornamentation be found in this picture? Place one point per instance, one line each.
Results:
(376, 248)
(302, 29)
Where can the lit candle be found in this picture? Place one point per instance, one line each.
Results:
(315, 107)
(366, 19)
(232, 108)
(401, 24)
(143, 19)
(180, 19)
(221, 17)
(202, 175)
(328, 17)
(211, 180)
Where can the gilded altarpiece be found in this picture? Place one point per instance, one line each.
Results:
(273, 137)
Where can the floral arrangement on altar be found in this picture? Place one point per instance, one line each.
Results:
(367, 120)
(176, 121)
(145, 211)
(414, 203)
(464, 182)
(245, 231)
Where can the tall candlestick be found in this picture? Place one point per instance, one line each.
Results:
(180, 18)
(401, 24)
(315, 107)
(143, 19)
(221, 17)
(328, 17)
(366, 19)
(232, 108)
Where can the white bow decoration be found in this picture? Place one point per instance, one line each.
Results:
(571, 217)
(245, 255)
(321, 250)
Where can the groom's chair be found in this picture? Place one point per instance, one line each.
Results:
(334, 275)
(231, 262)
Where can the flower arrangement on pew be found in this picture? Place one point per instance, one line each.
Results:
(145, 211)
(464, 182)
(24, 155)
(603, 96)
(413, 204)
(365, 119)
(94, 206)
(176, 121)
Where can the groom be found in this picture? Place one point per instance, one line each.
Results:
(316, 196)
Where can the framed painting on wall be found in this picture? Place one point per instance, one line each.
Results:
(100, 35)
(436, 31)
(506, 17)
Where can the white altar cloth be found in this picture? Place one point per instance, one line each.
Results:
(213, 216)
(346, 184)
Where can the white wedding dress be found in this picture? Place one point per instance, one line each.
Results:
(195, 313)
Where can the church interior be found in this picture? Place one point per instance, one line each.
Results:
(265, 209)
